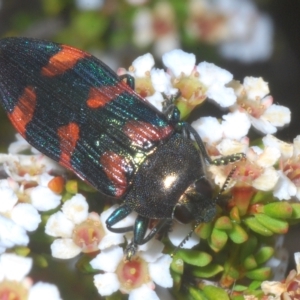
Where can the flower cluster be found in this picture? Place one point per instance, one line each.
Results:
(288, 289)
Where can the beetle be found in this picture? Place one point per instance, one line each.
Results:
(73, 108)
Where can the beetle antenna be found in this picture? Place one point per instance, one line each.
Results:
(184, 240)
(224, 187)
(226, 183)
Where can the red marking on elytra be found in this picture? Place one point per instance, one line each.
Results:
(24, 110)
(115, 167)
(99, 97)
(62, 61)
(68, 136)
(142, 132)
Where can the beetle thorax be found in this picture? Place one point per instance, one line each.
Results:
(164, 177)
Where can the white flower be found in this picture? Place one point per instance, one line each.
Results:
(139, 281)
(13, 272)
(252, 100)
(156, 26)
(214, 79)
(14, 267)
(11, 234)
(15, 218)
(161, 82)
(142, 65)
(78, 231)
(179, 62)
(45, 291)
(234, 126)
(287, 185)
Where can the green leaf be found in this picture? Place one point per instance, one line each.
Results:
(177, 264)
(250, 262)
(259, 274)
(204, 230)
(264, 254)
(239, 288)
(275, 225)
(254, 285)
(248, 247)
(296, 211)
(235, 214)
(196, 294)
(237, 234)
(281, 210)
(257, 227)
(223, 223)
(218, 239)
(208, 271)
(194, 257)
(215, 293)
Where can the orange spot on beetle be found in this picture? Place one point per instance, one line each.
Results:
(68, 137)
(99, 97)
(62, 61)
(115, 167)
(142, 132)
(24, 110)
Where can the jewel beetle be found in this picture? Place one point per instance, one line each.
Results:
(73, 108)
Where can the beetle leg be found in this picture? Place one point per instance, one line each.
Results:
(129, 80)
(140, 228)
(118, 215)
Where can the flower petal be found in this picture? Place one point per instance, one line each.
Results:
(64, 248)
(143, 64)
(108, 259)
(144, 292)
(15, 267)
(76, 209)
(284, 188)
(12, 234)
(179, 232)
(107, 283)
(27, 216)
(267, 180)
(235, 125)
(8, 199)
(178, 62)
(43, 199)
(45, 291)
(160, 271)
(59, 225)
(209, 129)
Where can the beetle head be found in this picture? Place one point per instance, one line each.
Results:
(196, 204)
